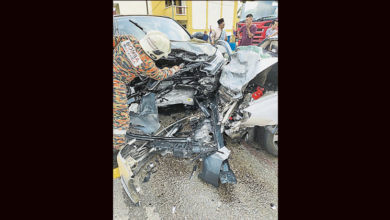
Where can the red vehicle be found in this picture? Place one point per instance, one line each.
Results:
(264, 12)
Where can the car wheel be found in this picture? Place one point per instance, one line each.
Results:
(271, 139)
(267, 139)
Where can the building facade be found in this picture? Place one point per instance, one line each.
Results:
(195, 16)
(132, 7)
(198, 16)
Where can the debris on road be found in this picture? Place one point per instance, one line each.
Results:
(193, 170)
(173, 209)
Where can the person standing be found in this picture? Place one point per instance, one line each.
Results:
(248, 31)
(133, 58)
(219, 33)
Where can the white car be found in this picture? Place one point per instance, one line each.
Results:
(211, 95)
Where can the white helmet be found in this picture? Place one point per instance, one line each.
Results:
(156, 45)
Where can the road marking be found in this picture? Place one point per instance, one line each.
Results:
(116, 173)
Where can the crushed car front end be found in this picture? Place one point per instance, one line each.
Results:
(197, 102)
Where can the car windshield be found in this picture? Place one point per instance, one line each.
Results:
(173, 30)
(260, 9)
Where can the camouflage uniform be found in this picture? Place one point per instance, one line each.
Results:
(129, 61)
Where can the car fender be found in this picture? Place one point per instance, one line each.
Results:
(263, 111)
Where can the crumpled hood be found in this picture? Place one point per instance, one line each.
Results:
(245, 65)
(193, 47)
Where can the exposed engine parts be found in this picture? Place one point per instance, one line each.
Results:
(213, 91)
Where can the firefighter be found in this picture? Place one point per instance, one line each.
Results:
(134, 58)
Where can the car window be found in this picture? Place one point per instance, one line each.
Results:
(174, 31)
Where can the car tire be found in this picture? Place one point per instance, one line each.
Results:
(271, 140)
(268, 140)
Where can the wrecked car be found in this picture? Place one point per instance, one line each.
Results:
(215, 92)
(249, 114)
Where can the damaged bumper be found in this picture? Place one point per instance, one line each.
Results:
(125, 166)
(216, 169)
(211, 92)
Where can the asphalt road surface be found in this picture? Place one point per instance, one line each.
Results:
(171, 194)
